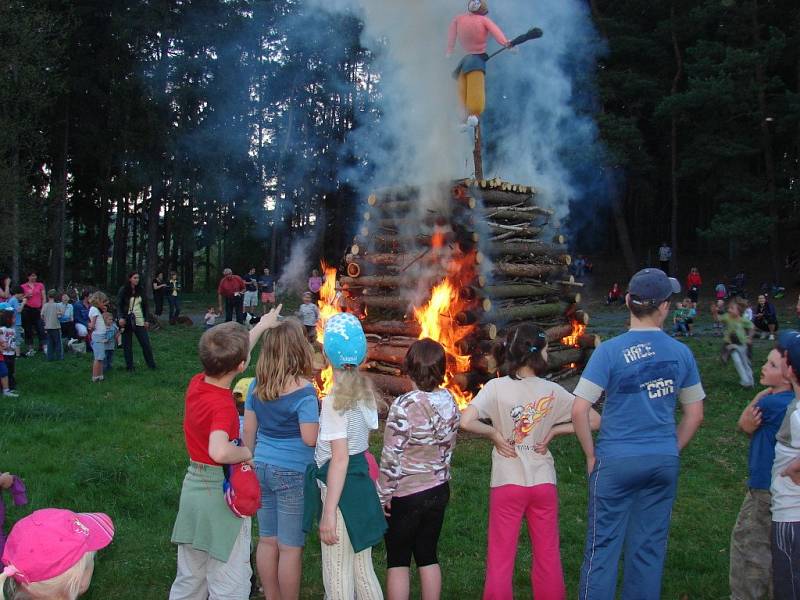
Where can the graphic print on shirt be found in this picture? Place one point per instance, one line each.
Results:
(637, 352)
(527, 416)
(656, 379)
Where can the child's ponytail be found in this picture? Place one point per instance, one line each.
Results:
(351, 388)
(523, 347)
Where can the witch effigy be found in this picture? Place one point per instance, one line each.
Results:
(472, 30)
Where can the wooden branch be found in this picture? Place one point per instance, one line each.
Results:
(522, 231)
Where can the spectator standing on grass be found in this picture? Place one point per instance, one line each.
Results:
(693, 283)
(97, 331)
(664, 257)
(785, 485)
(66, 319)
(112, 341)
(250, 291)
(51, 312)
(159, 291)
(17, 301)
(133, 314)
(750, 563)
(413, 485)
(315, 284)
(526, 412)
(231, 289)
(213, 542)
(308, 313)
(266, 284)
(766, 317)
(8, 332)
(633, 468)
(32, 312)
(281, 423)
(351, 521)
(614, 295)
(80, 313)
(174, 297)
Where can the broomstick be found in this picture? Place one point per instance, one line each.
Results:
(531, 34)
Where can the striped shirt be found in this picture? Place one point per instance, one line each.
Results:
(353, 424)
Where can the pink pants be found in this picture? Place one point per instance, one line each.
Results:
(539, 505)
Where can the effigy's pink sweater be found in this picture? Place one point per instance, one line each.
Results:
(472, 32)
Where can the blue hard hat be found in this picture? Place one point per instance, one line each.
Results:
(344, 341)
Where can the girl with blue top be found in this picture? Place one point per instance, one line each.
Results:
(751, 559)
(281, 422)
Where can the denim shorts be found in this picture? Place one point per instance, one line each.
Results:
(281, 512)
(99, 347)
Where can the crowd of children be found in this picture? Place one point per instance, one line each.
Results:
(275, 451)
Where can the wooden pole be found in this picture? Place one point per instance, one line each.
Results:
(476, 153)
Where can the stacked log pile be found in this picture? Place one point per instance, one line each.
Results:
(494, 243)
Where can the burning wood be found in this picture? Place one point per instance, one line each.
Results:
(480, 262)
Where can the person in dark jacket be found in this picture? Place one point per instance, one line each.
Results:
(766, 318)
(133, 316)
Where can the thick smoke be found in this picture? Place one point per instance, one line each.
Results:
(538, 127)
(296, 271)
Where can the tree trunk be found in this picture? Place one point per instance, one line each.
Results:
(13, 230)
(623, 234)
(58, 199)
(767, 149)
(674, 142)
(153, 213)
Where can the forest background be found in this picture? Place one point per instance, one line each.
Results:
(198, 134)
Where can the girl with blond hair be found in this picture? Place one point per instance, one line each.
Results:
(97, 331)
(339, 490)
(281, 421)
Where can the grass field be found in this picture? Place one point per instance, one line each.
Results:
(118, 447)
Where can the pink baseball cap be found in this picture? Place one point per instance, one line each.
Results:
(50, 541)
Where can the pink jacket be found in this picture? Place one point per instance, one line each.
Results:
(472, 32)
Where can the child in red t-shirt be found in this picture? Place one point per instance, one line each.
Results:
(213, 543)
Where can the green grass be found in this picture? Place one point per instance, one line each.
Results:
(118, 447)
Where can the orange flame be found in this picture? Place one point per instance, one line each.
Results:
(328, 306)
(437, 322)
(578, 329)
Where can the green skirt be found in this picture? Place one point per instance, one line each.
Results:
(204, 519)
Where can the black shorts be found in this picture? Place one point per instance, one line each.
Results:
(414, 527)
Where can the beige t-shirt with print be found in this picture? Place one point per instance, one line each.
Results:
(523, 411)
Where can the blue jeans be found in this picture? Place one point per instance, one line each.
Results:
(108, 363)
(281, 512)
(174, 307)
(630, 506)
(55, 351)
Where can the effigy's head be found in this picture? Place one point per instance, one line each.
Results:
(479, 7)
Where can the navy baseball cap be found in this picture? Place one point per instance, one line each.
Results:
(789, 343)
(652, 286)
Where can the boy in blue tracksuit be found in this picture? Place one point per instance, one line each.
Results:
(633, 470)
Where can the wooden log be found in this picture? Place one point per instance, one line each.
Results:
(517, 231)
(581, 316)
(529, 311)
(389, 302)
(522, 290)
(516, 212)
(391, 205)
(386, 353)
(558, 332)
(378, 281)
(497, 197)
(532, 248)
(411, 329)
(558, 359)
(390, 384)
(382, 368)
(526, 270)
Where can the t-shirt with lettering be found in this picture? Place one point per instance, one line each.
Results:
(278, 439)
(762, 443)
(207, 408)
(353, 424)
(643, 373)
(523, 411)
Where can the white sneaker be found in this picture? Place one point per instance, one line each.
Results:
(10, 393)
(472, 121)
